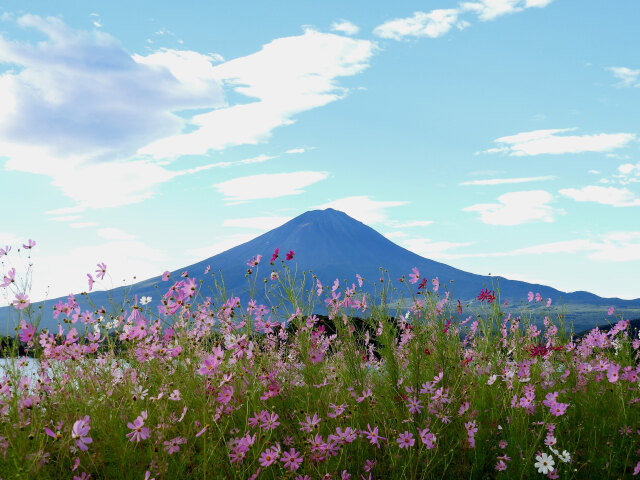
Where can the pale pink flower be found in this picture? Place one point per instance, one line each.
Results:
(406, 440)
(80, 432)
(415, 276)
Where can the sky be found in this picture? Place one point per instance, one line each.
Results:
(500, 137)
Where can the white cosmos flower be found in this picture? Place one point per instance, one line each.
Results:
(145, 300)
(565, 457)
(544, 464)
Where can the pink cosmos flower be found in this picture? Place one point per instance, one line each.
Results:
(79, 432)
(406, 440)
(310, 423)
(415, 276)
(29, 245)
(5, 251)
(274, 256)
(359, 278)
(101, 271)
(138, 430)
(166, 275)
(436, 284)
(611, 310)
(372, 436)
(429, 439)
(319, 287)
(254, 261)
(290, 255)
(500, 466)
(91, 281)
(414, 405)
(173, 445)
(530, 296)
(9, 278)
(26, 331)
(268, 457)
(269, 421)
(291, 459)
(21, 301)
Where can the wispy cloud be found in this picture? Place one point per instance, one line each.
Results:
(433, 249)
(614, 246)
(433, 24)
(438, 22)
(245, 161)
(616, 197)
(502, 181)
(627, 76)
(492, 9)
(286, 77)
(413, 223)
(539, 142)
(516, 208)
(363, 208)
(268, 185)
(345, 26)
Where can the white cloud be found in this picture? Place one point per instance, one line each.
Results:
(628, 173)
(433, 24)
(295, 150)
(617, 197)
(627, 76)
(83, 224)
(614, 246)
(434, 250)
(438, 22)
(345, 26)
(111, 233)
(414, 223)
(288, 76)
(594, 172)
(491, 9)
(268, 185)
(258, 223)
(540, 142)
(363, 208)
(245, 161)
(67, 218)
(501, 181)
(516, 208)
(79, 107)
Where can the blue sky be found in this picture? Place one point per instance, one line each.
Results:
(497, 136)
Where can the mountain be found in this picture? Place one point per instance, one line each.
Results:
(334, 245)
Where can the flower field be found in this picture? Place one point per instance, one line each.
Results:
(327, 383)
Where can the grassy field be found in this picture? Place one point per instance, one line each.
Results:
(219, 389)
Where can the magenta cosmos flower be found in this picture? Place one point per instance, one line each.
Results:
(291, 459)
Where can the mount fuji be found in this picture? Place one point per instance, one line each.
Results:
(333, 245)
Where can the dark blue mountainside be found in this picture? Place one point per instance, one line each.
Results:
(332, 245)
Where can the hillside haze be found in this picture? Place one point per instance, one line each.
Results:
(333, 245)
